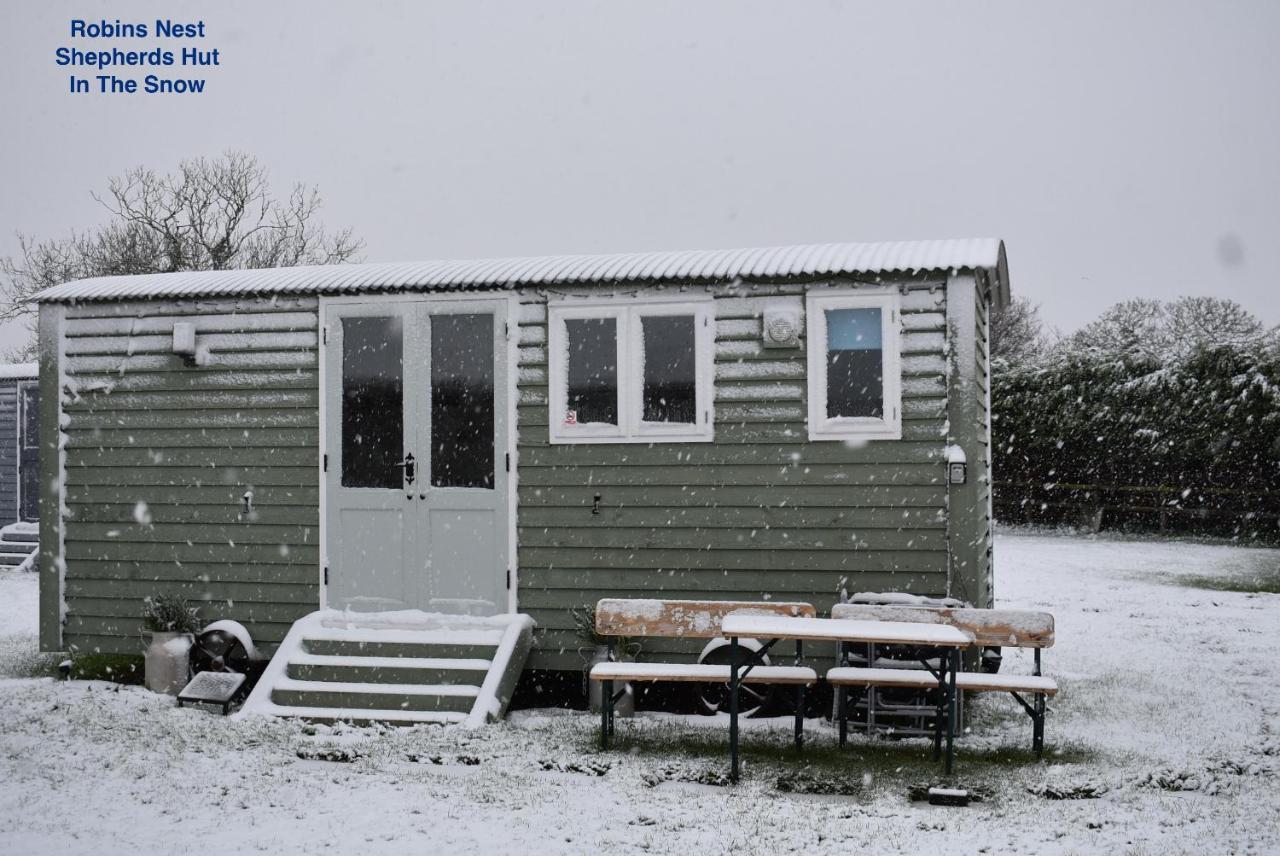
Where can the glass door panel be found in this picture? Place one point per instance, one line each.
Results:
(373, 402)
(462, 401)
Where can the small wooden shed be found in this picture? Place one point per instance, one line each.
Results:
(517, 435)
(19, 443)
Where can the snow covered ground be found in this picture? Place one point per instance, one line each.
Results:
(1169, 719)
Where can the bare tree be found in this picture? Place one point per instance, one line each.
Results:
(1169, 332)
(210, 214)
(1196, 323)
(1017, 333)
(1130, 328)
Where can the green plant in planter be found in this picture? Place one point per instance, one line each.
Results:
(584, 624)
(165, 613)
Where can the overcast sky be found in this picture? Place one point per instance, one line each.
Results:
(1121, 150)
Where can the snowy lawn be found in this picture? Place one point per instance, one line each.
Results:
(1165, 739)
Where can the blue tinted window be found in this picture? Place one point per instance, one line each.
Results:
(855, 363)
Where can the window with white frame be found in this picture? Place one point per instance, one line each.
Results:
(630, 372)
(855, 373)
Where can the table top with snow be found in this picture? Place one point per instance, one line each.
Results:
(845, 630)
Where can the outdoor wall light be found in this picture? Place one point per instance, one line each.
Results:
(957, 465)
(184, 341)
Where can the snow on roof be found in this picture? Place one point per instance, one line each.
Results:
(766, 263)
(19, 370)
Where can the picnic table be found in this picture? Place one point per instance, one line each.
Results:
(778, 627)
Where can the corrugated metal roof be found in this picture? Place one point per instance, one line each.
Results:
(765, 263)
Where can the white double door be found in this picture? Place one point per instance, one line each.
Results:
(416, 464)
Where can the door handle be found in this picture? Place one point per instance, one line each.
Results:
(409, 467)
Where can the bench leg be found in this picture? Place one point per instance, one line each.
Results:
(800, 718)
(953, 707)
(606, 713)
(842, 712)
(940, 699)
(800, 700)
(1037, 727)
(733, 709)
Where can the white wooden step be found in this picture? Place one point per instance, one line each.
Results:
(458, 690)
(330, 713)
(445, 663)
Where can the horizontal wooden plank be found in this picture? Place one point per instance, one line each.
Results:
(715, 455)
(861, 561)
(214, 342)
(681, 617)
(569, 587)
(167, 476)
(283, 537)
(226, 322)
(549, 602)
(751, 517)
(246, 612)
(114, 569)
(811, 540)
(913, 430)
(114, 417)
(198, 382)
(110, 550)
(531, 435)
(154, 458)
(224, 514)
(203, 494)
(246, 436)
(870, 475)
(132, 592)
(266, 399)
(224, 361)
(534, 414)
(127, 631)
(804, 496)
(158, 307)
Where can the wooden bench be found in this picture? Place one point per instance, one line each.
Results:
(989, 627)
(687, 619)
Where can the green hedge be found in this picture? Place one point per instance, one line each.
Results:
(1205, 430)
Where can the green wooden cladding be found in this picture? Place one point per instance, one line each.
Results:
(759, 513)
(187, 442)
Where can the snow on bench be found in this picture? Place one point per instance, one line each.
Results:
(691, 619)
(702, 672)
(1013, 628)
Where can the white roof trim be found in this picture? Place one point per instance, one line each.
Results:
(687, 266)
(19, 371)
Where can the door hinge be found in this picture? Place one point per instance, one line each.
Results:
(508, 462)
(326, 574)
(326, 463)
(324, 334)
(508, 578)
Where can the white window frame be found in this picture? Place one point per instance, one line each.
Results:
(628, 314)
(822, 427)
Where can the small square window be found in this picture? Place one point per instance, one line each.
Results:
(630, 372)
(854, 374)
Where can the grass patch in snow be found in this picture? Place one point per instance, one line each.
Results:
(118, 668)
(864, 768)
(1266, 582)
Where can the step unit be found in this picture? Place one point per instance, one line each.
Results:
(19, 545)
(403, 666)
